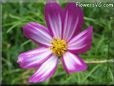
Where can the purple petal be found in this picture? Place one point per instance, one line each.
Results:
(37, 33)
(45, 71)
(33, 58)
(73, 63)
(82, 42)
(73, 20)
(53, 16)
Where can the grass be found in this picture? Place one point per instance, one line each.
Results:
(15, 15)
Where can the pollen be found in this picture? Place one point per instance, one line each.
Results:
(59, 46)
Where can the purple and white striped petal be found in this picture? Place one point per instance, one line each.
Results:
(73, 63)
(82, 42)
(73, 19)
(34, 58)
(45, 71)
(37, 33)
(53, 16)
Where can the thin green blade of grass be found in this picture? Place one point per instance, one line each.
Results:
(89, 74)
(14, 17)
(12, 27)
(111, 75)
(26, 42)
(89, 19)
(99, 43)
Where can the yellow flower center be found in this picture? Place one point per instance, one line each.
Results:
(58, 47)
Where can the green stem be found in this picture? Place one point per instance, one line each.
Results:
(100, 61)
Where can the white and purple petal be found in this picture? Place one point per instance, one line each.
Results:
(45, 71)
(37, 33)
(73, 63)
(82, 42)
(53, 16)
(73, 19)
(33, 58)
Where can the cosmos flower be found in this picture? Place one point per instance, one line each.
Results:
(62, 40)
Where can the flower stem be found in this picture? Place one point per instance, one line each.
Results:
(100, 61)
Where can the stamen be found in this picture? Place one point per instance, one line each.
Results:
(58, 47)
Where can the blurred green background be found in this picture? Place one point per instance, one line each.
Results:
(17, 14)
